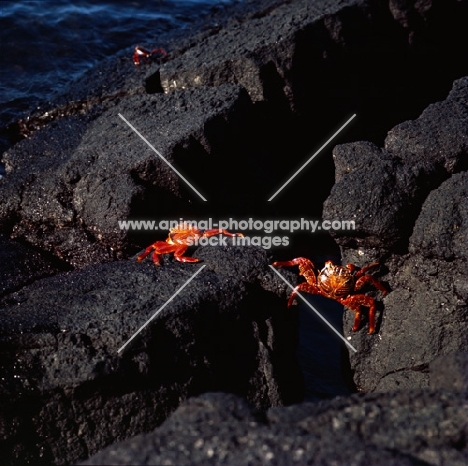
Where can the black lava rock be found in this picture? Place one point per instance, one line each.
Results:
(21, 265)
(391, 429)
(408, 201)
(71, 204)
(232, 108)
(64, 369)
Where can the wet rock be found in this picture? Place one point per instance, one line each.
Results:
(235, 95)
(218, 428)
(237, 98)
(267, 54)
(69, 186)
(70, 392)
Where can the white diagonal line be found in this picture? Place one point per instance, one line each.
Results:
(158, 153)
(162, 307)
(303, 166)
(315, 310)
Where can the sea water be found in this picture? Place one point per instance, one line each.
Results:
(46, 44)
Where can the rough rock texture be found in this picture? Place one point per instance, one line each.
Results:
(450, 372)
(235, 109)
(71, 203)
(418, 155)
(409, 203)
(243, 95)
(70, 392)
(262, 54)
(21, 265)
(407, 428)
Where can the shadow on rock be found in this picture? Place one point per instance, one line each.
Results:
(71, 393)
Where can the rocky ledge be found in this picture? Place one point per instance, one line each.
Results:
(225, 108)
(404, 428)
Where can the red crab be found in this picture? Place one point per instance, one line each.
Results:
(338, 283)
(178, 241)
(143, 54)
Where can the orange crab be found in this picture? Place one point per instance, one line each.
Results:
(140, 54)
(178, 241)
(338, 283)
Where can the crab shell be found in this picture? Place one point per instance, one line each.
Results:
(336, 281)
(182, 233)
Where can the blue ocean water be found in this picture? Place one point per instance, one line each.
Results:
(45, 44)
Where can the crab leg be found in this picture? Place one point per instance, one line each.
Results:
(366, 268)
(354, 303)
(149, 249)
(361, 281)
(218, 231)
(179, 254)
(306, 287)
(158, 248)
(306, 268)
(145, 253)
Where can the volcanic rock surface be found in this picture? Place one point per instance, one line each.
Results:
(235, 108)
(61, 339)
(420, 232)
(373, 429)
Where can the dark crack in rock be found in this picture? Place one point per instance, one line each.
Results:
(409, 203)
(234, 108)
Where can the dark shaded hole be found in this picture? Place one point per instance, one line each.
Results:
(153, 83)
(320, 351)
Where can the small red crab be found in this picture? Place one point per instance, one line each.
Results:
(178, 241)
(143, 54)
(338, 283)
